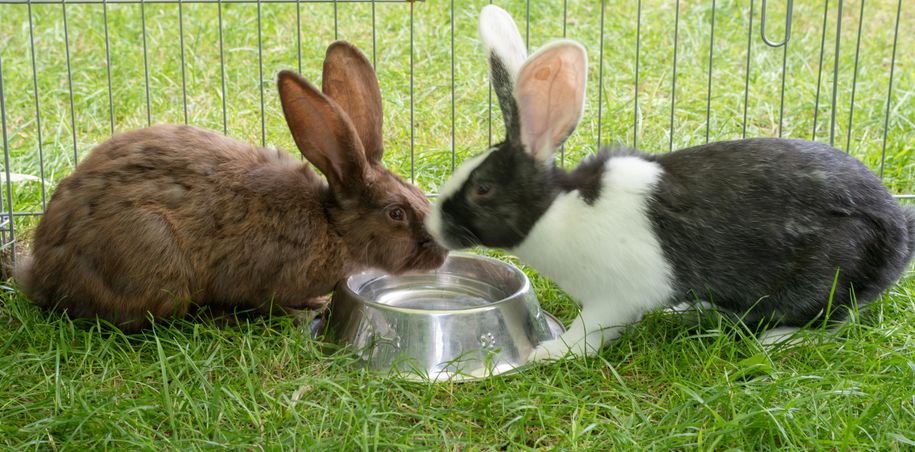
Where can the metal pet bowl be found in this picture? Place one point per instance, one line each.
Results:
(472, 318)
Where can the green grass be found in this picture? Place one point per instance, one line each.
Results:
(263, 383)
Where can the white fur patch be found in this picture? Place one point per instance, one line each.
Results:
(433, 221)
(500, 35)
(606, 255)
(780, 336)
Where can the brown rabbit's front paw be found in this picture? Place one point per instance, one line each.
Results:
(318, 303)
(310, 310)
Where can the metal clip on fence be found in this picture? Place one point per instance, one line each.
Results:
(762, 26)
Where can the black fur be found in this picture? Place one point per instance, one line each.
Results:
(909, 212)
(586, 177)
(503, 85)
(764, 226)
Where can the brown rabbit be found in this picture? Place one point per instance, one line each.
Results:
(157, 220)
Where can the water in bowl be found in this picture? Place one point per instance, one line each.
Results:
(431, 299)
(443, 290)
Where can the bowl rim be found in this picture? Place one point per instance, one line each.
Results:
(524, 287)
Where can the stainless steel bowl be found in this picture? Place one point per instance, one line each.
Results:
(472, 318)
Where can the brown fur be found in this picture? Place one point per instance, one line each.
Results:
(157, 220)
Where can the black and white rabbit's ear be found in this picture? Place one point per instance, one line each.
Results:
(506, 52)
(550, 95)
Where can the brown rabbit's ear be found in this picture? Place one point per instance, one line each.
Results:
(350, 81)
(322, 131)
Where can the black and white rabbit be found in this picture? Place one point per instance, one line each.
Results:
(761, 228)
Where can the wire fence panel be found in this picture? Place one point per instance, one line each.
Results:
(7, 224)
(663, 75)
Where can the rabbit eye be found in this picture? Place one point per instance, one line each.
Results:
(396, 214)
(483, 189)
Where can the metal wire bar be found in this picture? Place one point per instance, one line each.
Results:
(452, 90)
(146, 58)
(6, 160)
(835, 78)
(489, 110)
(298, 31)
(562, 149)
(889, 92)
(222, 71)
(336, 29)
(816, 103)
(181, 43)
(762, 25)
(854, 79)
(172, 2)
(781, 96)
(746, 81)
(37, 111)
(260, 73)
(600, 74)
(108, 66)
(24, 214)
(70, 81)
(412, 136)
(673, 81)
(784, 44)
(527, 27)
(708, 99)
(374, 62)
(638, 46)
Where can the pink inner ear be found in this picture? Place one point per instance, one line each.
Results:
(550, 95)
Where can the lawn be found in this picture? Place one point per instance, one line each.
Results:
(264, 383)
